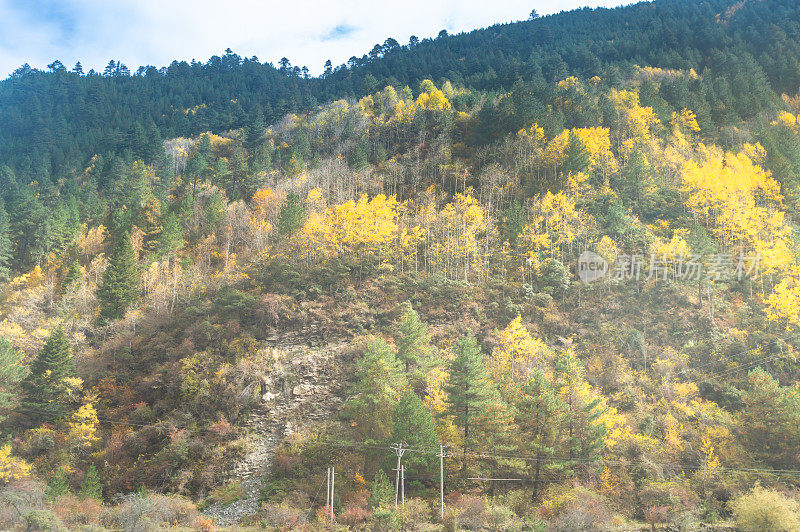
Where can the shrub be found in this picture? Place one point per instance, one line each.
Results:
(42, 520)
(575, 509)
(766, 510)
(519, 501)
(356, 512)
(501, 518)
(384, 520)
(17, 500)
(283, 517)
(226, 495)
(204, 524)
(469, 513)
(150, 512)
(75, 512)
(415, 515)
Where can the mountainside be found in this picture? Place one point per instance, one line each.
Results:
(743, 48)
(584, 288)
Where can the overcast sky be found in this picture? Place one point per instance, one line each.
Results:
(142, 32)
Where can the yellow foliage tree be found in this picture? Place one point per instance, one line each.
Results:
(11, 467)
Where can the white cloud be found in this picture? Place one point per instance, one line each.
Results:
(140, 32)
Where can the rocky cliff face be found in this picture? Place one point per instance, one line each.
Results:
(304, 388)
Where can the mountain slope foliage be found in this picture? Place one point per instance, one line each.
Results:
(744, 49)
(438, 229)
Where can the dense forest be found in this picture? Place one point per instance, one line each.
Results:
(220, 280)
(744, 50)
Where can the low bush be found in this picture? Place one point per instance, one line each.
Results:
(283, 516)
(75, 512)
(766, 510)
(575, 509)
(415, 515)
(150, 512)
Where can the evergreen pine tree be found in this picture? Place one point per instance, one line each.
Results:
(11, 373)
(73, 276)
(414, 348)
(91, 487)
(359, 159)
(585, 432)
(171, 237)
(468, 389)
(6, 249)
(539, 418)
(43, 389)
(120, 287)
(292, 216)
(381, 491)
(379, 381)
(57, 486)
(576, 158)
(414, 425)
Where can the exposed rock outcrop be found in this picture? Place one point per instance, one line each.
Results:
(303, 389)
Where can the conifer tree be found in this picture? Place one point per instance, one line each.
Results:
(414, 348)
(539, 416)
(11, 373)
(414, 425)
(468, 389)
(770, 422)
(44, 388)
(57, 486)
(91, 487)
(6, 249)
(171, 237)
(379, 382)
(576, 158)
(292, 216)
(585, 433)
(73, 275)
(120, 287)
(381, 491)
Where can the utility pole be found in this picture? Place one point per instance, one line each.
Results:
(399, 450)
(333, 486)
(328, 486)
(441, 481)
(403, 484)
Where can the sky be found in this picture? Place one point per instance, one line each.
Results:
(308, 32)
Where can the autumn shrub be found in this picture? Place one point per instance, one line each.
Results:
(43, 520)
(17, 500)
(469, 513)
(575, 509)
(283, 516)
(765, 510)
(668, 502)
(356, 511)
(501, 518)
(384, 520)
(415, 514)
(226, 495)
(204, 524)
(37, 441)
(150, 512)
(75, 512)
(519, 501)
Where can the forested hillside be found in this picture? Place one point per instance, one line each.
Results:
(744, 50)
(194, 295)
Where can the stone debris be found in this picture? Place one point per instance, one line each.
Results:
(305, 389)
